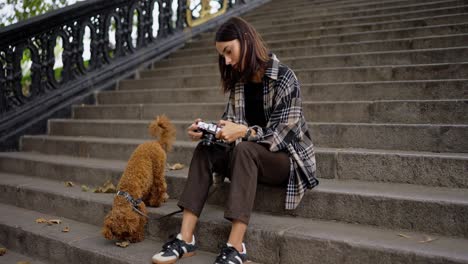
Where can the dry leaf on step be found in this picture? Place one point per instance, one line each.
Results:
(2, 251)
(176, 166)
(427, 239)
(84, 188)
(41, 220)
(69, 184)
(66, 229)
(54, 222)
(405, 236)
(107, 187)
(23, 262)
(122, 244)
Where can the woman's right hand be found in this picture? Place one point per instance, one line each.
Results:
(192, 131)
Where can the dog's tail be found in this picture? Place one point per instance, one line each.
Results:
(163, 129)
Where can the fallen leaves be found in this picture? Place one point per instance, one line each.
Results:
(84, 188)
(107, 187)
(175, 166)
(54, 222)
(41, 220)
(66, 229)
(425, 239)
(405, 236)
(122, 244)
(69, 184)
(2, 251)
(23, 262)
(49, 222)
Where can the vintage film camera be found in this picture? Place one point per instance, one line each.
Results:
(209, 131)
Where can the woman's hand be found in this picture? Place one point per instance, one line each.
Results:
(230, 131)
(192, 131)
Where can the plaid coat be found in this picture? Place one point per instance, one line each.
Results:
(286, 128)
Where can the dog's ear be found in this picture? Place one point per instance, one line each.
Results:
(107, 228)
(107, 233)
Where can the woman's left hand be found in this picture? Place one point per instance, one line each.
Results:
(230, 131)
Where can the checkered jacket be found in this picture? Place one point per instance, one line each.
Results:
(286, 128)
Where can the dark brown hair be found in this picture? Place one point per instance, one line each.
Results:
(253, 52)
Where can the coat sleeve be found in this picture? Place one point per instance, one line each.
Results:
(284, 125)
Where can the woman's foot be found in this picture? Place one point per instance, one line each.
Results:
(230, 255)
(174, 250)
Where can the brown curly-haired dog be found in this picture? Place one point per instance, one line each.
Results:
(143, 179)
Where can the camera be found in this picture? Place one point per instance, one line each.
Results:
(209, 131)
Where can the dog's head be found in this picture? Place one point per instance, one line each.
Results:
(123, 223)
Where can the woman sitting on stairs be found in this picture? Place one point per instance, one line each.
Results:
(270, 142)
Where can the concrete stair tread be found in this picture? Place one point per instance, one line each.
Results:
(281, 225)
(108, 164)
(179, 143)
(302, 84)
(349, 187)
(212, 88)
(326, 56)
(347, 67)
(188, 122)
(321, 19)
(323, 38)
(300, 9)
(264, 32)
(427, 38)
(325, 17)
(12, 257)
(84, 237)
(303, 102)
(285, 58)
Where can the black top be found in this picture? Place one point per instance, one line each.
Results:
(254, 113)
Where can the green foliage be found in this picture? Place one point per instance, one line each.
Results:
(24, 9)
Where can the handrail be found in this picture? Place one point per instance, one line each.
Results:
(108, 61)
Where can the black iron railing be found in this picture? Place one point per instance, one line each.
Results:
(97, 42)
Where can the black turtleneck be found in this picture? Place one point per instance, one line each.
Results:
(254, 112)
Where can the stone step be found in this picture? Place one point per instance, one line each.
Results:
(301, 5)
(391, 111)
(436, 138)
(82, 244)
(309, 14)
(412, 167)
(15, 257)
(213, 229)
(396, 206)
(316, 21)
(345, 10)
(382, 73)
(398, 57)
(319, 5)
(367, 27)
(209, 55)
(370, 91)
(412, 32)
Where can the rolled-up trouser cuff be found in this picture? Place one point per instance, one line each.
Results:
(231, 216)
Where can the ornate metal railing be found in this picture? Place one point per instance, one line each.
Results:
(97, 42)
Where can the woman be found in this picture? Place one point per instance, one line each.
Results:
(270, 142)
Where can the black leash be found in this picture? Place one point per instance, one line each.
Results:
(136, 202)
(215, 188)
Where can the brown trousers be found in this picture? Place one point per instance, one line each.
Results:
(245, 165)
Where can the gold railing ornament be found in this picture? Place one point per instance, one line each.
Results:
(205, 12)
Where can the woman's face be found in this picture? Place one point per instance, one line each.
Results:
(230, 50)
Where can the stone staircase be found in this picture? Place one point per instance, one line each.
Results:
(385, 89)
